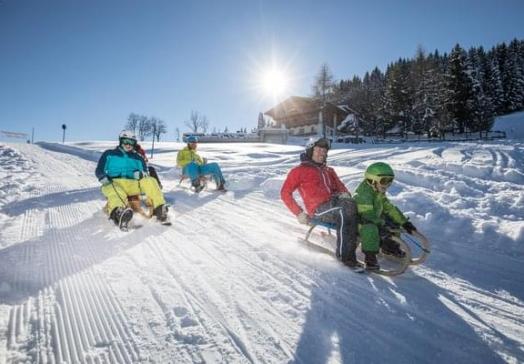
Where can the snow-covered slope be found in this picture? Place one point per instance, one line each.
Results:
(229, 281)
(512, 124)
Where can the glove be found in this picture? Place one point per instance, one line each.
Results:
(303, 218)
(384, 232)
(409, 227)
(204, 161)
(138, 174)
(344, 196)
(105, 180)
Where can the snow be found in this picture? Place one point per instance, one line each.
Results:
(230, 283)
(512, 124)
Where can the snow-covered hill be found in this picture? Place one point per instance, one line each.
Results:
(229, 281)
(512, 124)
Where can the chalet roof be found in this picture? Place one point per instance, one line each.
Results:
(294, 105)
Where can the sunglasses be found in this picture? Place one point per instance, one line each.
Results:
(128, 141)
(384, 181)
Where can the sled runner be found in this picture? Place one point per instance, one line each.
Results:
(202, 185)
(415, 246)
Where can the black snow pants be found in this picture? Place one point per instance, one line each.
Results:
(343, 213)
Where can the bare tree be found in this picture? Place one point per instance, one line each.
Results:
(158, 127)
(197, 122)
(194, 121)
(132, 122)
(177, 133)
(323, 85)
(204, 123)
(144, 127)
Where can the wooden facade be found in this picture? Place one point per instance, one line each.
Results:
(301, 115)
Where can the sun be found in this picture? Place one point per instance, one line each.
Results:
(274, 82)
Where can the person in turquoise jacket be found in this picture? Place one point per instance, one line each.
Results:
(122, 173)
(194, 166)
(375, 211)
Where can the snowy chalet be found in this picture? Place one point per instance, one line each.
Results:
(301, 115)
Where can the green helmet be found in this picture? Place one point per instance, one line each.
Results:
(377, 171)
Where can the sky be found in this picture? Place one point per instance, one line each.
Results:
(89, 64)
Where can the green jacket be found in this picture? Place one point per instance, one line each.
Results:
(374, 206)
(186, 156)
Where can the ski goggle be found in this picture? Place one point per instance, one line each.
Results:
(127, 141)
(385, 181)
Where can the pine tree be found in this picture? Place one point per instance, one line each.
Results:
(423, 100)
(397, 96)
(515, 78)
(480, 106)
(323, 87)
(459, 89)
(377, 90)
(261, 121)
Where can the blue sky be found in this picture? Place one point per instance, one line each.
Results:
(89, 64)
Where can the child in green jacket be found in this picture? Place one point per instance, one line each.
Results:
(374, 209)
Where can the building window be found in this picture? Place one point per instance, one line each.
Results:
(301, 131)
(313, 130)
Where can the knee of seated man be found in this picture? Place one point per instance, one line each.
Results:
(349, 209)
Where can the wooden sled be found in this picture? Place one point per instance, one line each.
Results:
(140, 205)
(415, 246)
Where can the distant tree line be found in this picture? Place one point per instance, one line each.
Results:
(144, 126)
(433, 93)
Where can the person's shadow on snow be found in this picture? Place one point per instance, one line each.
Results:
(28, 267)
(50, 200)
(364, 318)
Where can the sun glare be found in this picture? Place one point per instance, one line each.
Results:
(274, 82)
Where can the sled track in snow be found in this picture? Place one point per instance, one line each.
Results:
(68, 312)
(75, 317)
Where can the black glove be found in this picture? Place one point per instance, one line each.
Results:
(409, 227)
(384, 232)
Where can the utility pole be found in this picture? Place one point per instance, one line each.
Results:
(33, 136)
(64, 126)
(154, 135)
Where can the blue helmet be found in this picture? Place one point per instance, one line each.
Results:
(192, 139)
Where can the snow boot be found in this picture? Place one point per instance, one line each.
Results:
(121, 217)
(352, 262)
(392, 248)
(197, 185)
(354, 265)
(161, 213)
(221, 187)
(371, 261)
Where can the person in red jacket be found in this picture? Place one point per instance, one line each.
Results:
(325, 198)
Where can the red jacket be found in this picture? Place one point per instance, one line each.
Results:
(315, 183)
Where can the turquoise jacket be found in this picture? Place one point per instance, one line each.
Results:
(117, 163)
